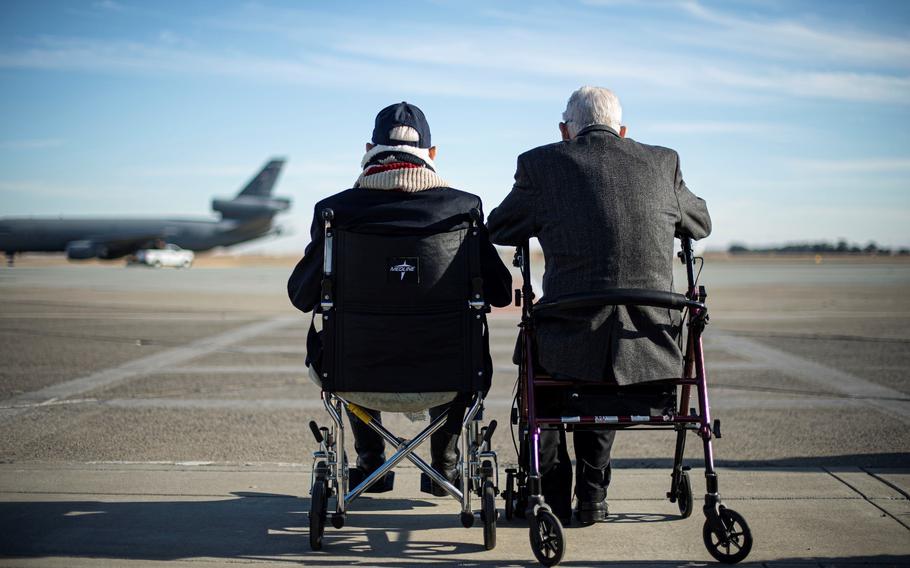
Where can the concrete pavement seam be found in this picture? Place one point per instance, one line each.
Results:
(868, 500)
(888, 483)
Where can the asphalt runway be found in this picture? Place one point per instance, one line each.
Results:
(106, 367)
(808, 365)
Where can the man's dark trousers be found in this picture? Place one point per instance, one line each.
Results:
(370, 446)
(592, 470)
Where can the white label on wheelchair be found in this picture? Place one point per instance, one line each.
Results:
(404, 269)
(566, 419)
(602, 419)
(640, 418)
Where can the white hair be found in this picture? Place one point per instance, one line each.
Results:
(404, 134)
(592, 105)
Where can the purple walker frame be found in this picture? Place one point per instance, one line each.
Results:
(725, 532)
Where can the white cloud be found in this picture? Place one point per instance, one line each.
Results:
(501, 61)
(845, 86)
(320, 70)
(792, 39)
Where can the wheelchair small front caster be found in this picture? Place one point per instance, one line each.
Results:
(488, 514)
(547, 540)
(467, 519)
(338, 520)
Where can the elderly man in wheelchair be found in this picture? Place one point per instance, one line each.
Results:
(400, 273)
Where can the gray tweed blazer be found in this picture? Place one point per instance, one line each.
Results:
(605, 210)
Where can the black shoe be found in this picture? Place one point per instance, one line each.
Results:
(384, 485)
(590, 512)
(427, 485)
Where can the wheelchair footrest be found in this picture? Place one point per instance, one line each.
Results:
(384, 485)
(427, 485)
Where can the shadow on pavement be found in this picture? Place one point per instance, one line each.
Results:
(262, 526)
(250, 525)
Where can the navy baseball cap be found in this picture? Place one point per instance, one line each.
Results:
(401, 114)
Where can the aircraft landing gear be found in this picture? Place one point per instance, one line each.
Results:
(10, 259)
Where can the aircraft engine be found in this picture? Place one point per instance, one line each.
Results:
(82, 250)
(250, 207)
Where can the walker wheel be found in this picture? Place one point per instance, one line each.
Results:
(467, 519)
(736, 542)
(684, 495)
(488, 514)
(547, 540)
(319, 501)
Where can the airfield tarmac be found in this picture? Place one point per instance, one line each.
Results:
(140, 406)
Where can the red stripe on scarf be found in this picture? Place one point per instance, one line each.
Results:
(386, 167)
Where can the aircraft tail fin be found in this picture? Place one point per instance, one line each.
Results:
(261, 185)
(255, 200)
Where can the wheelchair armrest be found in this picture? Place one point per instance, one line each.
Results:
(617, 297)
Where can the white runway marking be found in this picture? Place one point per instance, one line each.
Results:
(233, 369)
(206, 317)
(142, 366)
(867, 392)
(280, 349)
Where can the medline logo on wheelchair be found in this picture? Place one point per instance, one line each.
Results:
(403, 268)
(407, 269)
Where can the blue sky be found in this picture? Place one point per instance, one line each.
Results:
(792, 118)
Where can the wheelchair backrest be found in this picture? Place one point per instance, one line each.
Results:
(401, 319)
(402, 272)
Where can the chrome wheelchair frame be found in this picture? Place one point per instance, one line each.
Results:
(478, 466)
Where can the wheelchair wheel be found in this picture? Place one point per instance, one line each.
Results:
(319, 502)
(736, 542)
(488, 514)
(684, 495)
(547, 540)
(508, 495)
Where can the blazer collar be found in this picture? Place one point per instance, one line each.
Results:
(597, 128)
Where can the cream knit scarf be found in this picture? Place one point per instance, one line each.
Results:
(398, 170)
(408, 169)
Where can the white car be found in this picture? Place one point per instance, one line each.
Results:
(170, 255)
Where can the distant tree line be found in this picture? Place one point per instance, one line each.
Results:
(841, 247)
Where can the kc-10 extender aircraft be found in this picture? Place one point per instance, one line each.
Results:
(245, 217)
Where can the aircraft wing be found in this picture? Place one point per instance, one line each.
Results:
(108, 246)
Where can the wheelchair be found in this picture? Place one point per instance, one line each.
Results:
(542, 402)
(403, 289)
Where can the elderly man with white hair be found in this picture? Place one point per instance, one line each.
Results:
(605, 210)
